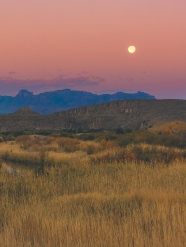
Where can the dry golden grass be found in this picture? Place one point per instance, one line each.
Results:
(171, 127)
(77, 203)
(106, 205)
(58, 144)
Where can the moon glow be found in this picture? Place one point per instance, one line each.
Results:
(131, 49)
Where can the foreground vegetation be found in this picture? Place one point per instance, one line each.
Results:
(91, 193)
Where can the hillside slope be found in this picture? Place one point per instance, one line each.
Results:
(170, 127)
(125, 114)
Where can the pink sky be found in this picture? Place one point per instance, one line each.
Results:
(79, 44)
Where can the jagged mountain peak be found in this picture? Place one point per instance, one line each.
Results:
(24, 93)
(60, 100)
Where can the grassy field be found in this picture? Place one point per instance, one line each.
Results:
(91, 193)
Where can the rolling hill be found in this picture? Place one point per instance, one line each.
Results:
(125, 114)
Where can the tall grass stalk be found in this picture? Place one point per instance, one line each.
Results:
(106, 205)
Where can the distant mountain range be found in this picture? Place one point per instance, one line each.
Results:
(60, 100)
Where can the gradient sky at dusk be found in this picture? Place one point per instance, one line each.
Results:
(79, 44)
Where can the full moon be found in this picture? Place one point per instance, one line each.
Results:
(131, 49)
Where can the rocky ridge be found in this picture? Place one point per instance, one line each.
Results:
(125, 114)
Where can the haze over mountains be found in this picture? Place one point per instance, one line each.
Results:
(55, 101)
